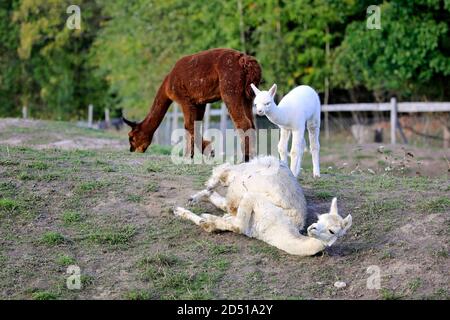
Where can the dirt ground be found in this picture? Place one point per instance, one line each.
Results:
(72, 196)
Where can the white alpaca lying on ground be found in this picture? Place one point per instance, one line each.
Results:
(300, 107)
(265, 201)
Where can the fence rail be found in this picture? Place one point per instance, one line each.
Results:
(172, 119)
(404, 107)
(394, 108)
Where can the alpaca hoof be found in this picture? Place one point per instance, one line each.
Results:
(316, 175)
(179, 212)
(196, 198)
(207, 226)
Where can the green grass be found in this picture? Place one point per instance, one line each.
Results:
(137, 295)
(8, 206)
(89, 197)
(363, 157)
(153, 186)
(38, 165)
(160, 260)
(435, 205)
(265, 250)
(415, 284)
(153, 166)
(160, 150)
(86, 280)
(90, 186)
(44, 295)
(323, 195)
(374, 207)
(174, 278)
(8, 162)
(65, 260)
(52, 238)
(25, 176)
(218, 249)
(134, 198)
(387, 294)
(71, 217)
(115, 237)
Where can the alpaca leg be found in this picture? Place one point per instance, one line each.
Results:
(193, 113)
(219, 201)
(238, 223)
(298, 146)
(213, 197)
(208, 226)
(283, 144)
(187, 215)
(314, 132)
(244, 125)
(199, 113)
(199, 196)
(189, 113)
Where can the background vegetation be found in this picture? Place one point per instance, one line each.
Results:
(125, 48)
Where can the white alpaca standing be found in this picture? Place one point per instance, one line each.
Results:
(265, 201)
(300, 107)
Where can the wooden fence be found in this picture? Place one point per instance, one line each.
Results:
(219, 118)
(393, 107)
(162, 135)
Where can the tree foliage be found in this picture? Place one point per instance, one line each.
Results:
(125, 48)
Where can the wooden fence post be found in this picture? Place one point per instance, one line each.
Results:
(175, 117)
(90, 115)
(107, 118)
(327, 127)
(223, 124)
(223, 119)
(393, 120)
(207, 116)
(25, 112)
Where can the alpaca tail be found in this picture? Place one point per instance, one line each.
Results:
(252, 73)
(159, 108)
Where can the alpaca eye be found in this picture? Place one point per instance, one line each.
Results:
(331, 231)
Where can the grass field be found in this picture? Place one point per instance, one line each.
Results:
(71, 196)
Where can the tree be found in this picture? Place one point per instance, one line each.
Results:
(55, 69)
(409, 57)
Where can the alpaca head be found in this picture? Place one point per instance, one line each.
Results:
(264, 99)
(330, 226)
(139, 140)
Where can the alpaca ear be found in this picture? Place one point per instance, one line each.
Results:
(334, 208)
(273, 90)
(132, 124)
(347, 223)
(254, 88)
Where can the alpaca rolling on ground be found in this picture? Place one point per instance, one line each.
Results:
(198, 79)
(265, 201)
(300, 107)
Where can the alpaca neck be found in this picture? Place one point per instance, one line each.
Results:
(299, 245)
(276, 115)
(157, 111)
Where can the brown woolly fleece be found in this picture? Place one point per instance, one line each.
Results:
(198, 79)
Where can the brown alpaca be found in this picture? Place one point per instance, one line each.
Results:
(198, 79)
